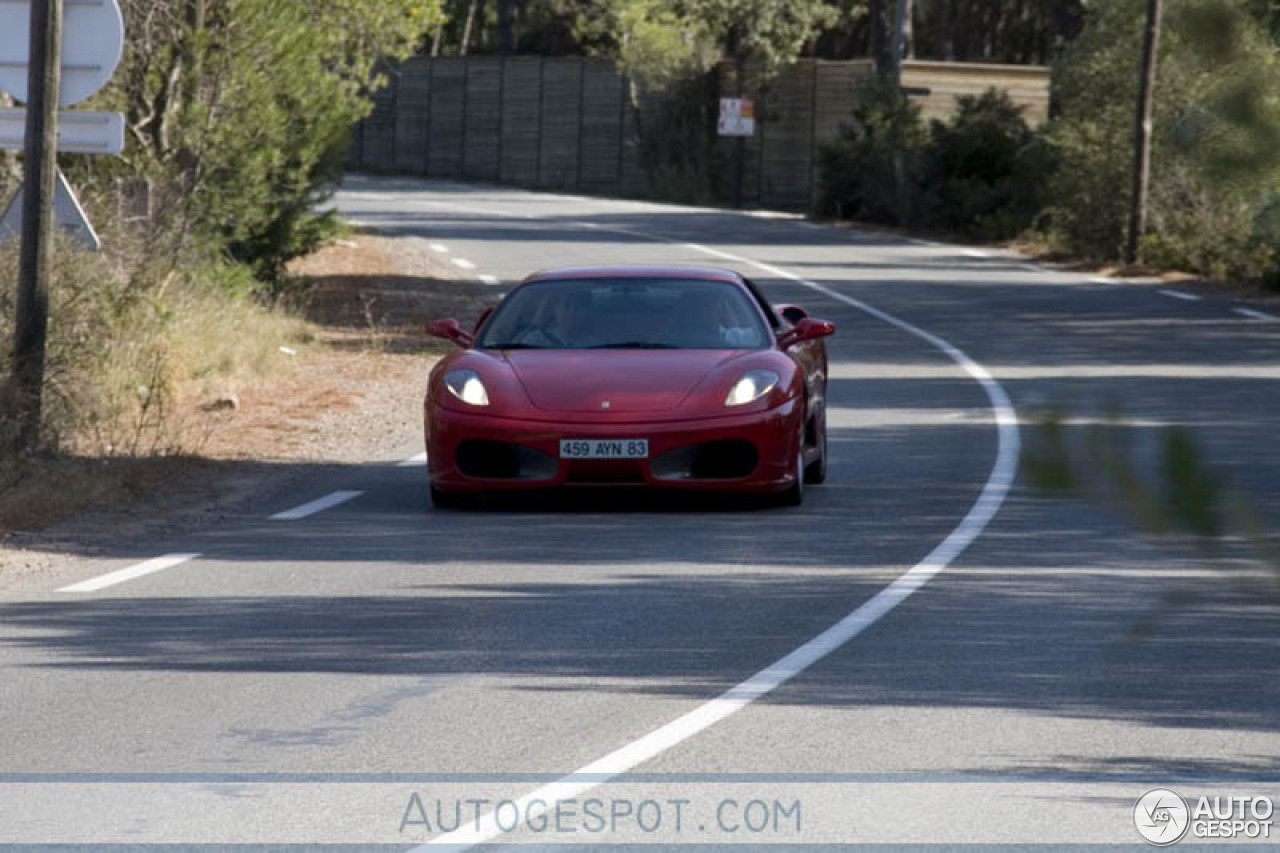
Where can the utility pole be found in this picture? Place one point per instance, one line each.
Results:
(35, 263)
(1142, 131)
(900, 156)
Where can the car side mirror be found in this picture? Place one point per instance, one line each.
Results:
(791, 313)
(451, 330)
(807, 329)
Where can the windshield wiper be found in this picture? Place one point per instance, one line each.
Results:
(635, 345)
(513, 345)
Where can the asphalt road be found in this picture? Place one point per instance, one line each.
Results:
(1010, 667)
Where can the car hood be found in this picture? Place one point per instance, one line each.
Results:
(614, 381)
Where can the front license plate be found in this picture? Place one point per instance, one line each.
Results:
(604, 448)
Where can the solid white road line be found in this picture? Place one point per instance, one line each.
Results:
(1098, 279)
(439, 248)
(993, 494)
(1255, 315)
(463, 263)
(975, 253)
(489, 279)
(1178, 294)
(318, 505)
(413, 461)
(159, 564)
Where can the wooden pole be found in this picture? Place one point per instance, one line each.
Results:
(35, 263)
(1142, 131)
(899, 156)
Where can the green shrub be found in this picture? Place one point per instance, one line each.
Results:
(1215, 165)
(857, 167)
(983, 174)
(986, 172)
(131, 341)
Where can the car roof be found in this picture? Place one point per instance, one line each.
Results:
(671, 272)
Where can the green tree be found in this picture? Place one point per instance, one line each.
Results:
(239, 112)
(1215, 164)
(764, 33)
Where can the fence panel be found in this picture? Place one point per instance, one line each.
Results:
(786, 135)
(378, 132)
(602, 104)
(484, 119)
(521, 120)
(413, 116)
(562, 123)
(448, 113)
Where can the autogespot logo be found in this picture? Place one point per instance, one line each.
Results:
(1161, 816)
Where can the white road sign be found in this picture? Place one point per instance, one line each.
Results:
(737, 117)
(78, 132)
(67, 212)
(92, 43)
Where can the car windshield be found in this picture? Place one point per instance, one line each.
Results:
(626, 313)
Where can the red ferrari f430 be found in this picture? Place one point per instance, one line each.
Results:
(671, 377)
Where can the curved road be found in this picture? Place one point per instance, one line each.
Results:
(367, 670)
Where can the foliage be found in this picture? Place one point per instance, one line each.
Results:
(126, 337)
(985, 171)
(677, 138)
(1215, 165)
(982, 174)
(238, 114)
(763, 33)
(1161, 478)
(857, 167)
(662, 49)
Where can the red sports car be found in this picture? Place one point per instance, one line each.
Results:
(668, 377)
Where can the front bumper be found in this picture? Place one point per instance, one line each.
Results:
(774, 434)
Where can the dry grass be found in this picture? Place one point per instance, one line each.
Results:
(131, 359)
(172, 385)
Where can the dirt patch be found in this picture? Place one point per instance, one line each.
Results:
(352, 394)
(386, 287)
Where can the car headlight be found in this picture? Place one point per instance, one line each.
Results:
(467, 387)
(753, 385)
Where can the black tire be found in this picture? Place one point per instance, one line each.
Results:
(449, 500)
(794, 495)
(815, 473)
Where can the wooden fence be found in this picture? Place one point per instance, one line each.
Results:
(569, 123)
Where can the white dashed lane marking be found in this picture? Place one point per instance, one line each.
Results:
(1255, 315)
(319, 505)
(111, 579)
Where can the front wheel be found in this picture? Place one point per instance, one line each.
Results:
(794, 495)
(816, 471)
(449, 500)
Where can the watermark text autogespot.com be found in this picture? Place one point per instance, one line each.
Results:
(598, 816)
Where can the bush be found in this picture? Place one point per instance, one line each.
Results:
(675, 129)
(986, 172)
(857, 167)
(132, 349)
(1215, 167)
(982, 174)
